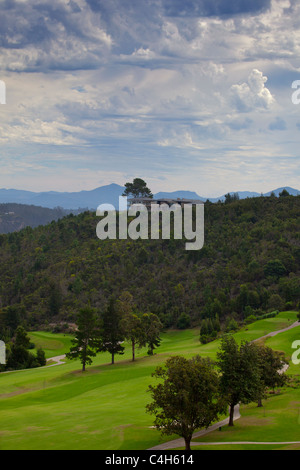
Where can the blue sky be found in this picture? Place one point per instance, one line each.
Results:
(192, 95)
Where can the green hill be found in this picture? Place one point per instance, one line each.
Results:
(14, 217)
(250, 264)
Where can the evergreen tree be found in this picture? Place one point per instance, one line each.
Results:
(22, 339)
(41, 358)
(137, 189)
(18, 358)
(87, 337)
(284, 193)
(111, 335)
(133, 331)
(151, 326)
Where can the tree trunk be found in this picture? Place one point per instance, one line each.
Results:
(231, 414)
(133, 350)
(259, 403)
(84, 357)
(112, 358)
(187, 441)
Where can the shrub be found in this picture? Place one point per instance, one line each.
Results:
(231, 325)
(250, 319)
(183, 321)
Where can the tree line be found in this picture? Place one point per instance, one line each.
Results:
(107, 332)
(18, 353)
(194, 393)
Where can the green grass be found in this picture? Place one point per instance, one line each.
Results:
(53, 344)
(277, 421)
(104, 408)
(254, 331)
(283, 342)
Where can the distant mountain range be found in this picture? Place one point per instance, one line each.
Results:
(74, 200)
(106, 195)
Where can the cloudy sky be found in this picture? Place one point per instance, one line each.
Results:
(187, 94)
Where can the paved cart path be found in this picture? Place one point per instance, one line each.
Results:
(274, 333)
(57, 359)
(180, 442)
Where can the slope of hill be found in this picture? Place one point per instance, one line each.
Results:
(14, 217)
(250, 264)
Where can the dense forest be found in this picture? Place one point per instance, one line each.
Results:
(249, 265)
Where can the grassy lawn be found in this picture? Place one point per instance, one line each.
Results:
(277, 421)
(104, 408)
(52, 344)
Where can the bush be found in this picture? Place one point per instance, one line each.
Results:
(231, 325)
(269, 315)
(40, 357)
(183, 321)
(204, 339)
(250, 319)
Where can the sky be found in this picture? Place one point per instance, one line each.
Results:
(188, 95)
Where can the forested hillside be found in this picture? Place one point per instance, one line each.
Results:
(250, 264)
(15, 217)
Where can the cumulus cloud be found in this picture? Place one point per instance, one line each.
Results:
(84, 34)
(252, 94)
(114, 81)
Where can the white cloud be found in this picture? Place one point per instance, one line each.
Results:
(133, 88)
(252, 94)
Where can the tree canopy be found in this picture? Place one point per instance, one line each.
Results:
(138, 188)
(248, 266)
(240, 374)
(86, 341)
(111, 333)
(187, 397)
